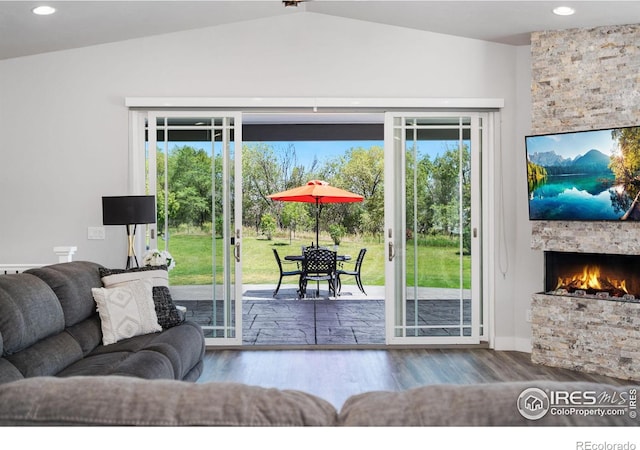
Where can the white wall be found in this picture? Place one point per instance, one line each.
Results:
(525, 266)
(64, 125)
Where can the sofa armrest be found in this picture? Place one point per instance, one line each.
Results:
(490, 404)
(121, 401)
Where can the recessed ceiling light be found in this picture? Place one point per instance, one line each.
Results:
(43, 10)
(564, 11)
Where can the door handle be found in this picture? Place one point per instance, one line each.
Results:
(391, 252)
(236, 250)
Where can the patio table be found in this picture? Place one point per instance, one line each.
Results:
(300, 258)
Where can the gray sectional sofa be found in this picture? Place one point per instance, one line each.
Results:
(49, 326)
(55, 370)
(116, 400)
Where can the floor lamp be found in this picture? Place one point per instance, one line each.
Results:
(129, 210)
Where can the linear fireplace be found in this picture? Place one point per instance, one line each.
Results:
(583, 321)
(596, 275)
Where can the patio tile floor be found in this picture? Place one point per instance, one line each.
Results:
(285, 320)
(350, 319)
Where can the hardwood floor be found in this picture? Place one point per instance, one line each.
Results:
(335, 375)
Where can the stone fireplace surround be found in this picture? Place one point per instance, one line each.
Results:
(583, 333)
(586, 79)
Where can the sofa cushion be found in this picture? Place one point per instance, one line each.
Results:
(87, 333)
(168, 315)
(29, 312)
(178, 344)
(72, 283)
(126, 310)
(149, 365)
(48, 356)
(179, 350)
(8, 372)
(491, 404)
(123, 401)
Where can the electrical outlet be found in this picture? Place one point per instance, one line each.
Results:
(528, 316)
(95, 233)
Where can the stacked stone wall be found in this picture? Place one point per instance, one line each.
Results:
(617, 238)
(586, 79)
(587, 334)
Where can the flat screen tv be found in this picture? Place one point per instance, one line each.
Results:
(589, 175)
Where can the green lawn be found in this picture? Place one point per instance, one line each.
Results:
(438, 265)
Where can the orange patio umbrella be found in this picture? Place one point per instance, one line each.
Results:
(317, 191)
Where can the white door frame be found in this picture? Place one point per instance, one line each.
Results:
(231, 291)
(395, 237)
(312, 105)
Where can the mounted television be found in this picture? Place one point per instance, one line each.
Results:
(584, 175)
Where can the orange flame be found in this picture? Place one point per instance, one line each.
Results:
(590, 279)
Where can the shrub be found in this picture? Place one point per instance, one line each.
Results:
(336, 232)
(268, 225)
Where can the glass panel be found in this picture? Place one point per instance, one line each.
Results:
(477, 278)
(437, 227)
(398, 224)
(223, 323)
(194, 171)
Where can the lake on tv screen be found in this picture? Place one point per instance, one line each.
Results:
(577, 197)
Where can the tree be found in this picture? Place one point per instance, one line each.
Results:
(360, 171)
(443, 190)
(336, 232)
(625, 162)
(421, 172)
(268, 225)
(295, 215)
(260, 178)
(189, 178)
(173, 206)
(451, 185)
(264, 173)
(535, 174)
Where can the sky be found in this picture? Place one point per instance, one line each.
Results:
(324, 151)
(570, 145)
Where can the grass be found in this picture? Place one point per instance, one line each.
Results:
(438, 259)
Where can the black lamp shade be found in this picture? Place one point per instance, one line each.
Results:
(128, 210)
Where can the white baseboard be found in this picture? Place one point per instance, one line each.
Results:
(512, 344)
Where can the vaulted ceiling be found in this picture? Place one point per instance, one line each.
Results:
(83, 23)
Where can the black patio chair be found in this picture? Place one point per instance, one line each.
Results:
(355, 272)
(284, 273)
(319, 264)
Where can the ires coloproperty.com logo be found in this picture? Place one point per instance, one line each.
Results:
(534, 403)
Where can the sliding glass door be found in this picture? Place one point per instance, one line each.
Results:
(433, 197)
(193, 166)
(432, 228)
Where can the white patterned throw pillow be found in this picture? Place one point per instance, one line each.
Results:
(168, 315)
(126, 310)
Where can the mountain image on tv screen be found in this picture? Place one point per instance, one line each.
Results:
(584, 175)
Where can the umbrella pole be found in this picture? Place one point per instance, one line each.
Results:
(317, 222)
(317, 240)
